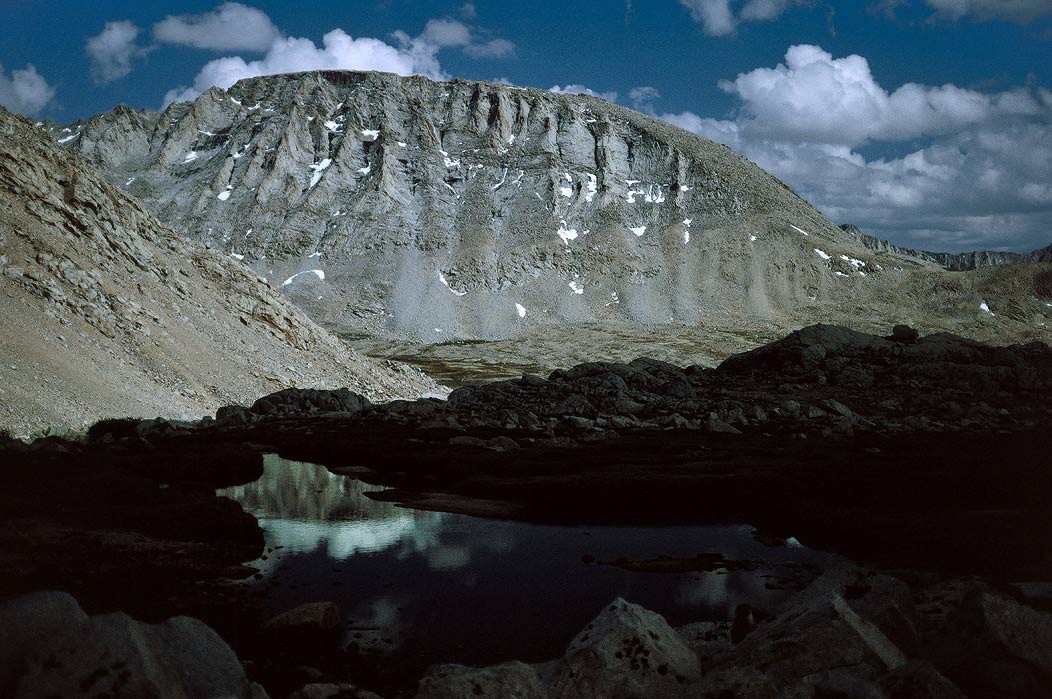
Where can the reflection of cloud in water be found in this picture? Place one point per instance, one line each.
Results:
(340, 540)
(448, 557)
(409, 533)
(724, 591)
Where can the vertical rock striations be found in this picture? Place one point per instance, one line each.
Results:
(471, 209)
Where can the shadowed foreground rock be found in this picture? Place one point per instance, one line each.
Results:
(50, 647)
(822, 379)
(852, 634)
(924, 453)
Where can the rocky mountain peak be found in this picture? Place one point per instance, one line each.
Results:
(404, 205)
(407, 209)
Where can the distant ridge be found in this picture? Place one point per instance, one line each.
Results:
(951, 261)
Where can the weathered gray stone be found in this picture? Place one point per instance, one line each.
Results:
(918, 679)
(513, 680)
(1021, 631)
(55, 650)
(232, 415)
(28, 621)
(714, 424)
(303, 401)
(625, 651)
(834, 637)
(332, 691)
(310, 617)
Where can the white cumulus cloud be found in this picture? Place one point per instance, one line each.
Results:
(113, 51)
(981, 180)
(443, 33)
(722, 17)
(643, 96)
(494, 48)
(229, 27)
(25, 91)
(816, 98)
(446, 32)
(582, 90)
(339, 51)
(1021, 11)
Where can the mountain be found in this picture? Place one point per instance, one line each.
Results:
(556, 226)
(950, 261)
(108, 313)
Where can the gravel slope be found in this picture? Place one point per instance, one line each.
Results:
(106, 312)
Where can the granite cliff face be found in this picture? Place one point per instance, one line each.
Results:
(406, 209)
(108, 313)
(468, 209)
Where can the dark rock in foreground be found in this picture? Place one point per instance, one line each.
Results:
(852, 633)
(916, 452)
(822, 379)
(50, 647)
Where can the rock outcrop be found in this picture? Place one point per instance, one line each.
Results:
(821, 379)
(424, 211)
(824, 377)
(50, 647)
(108, 313)
(851, 633)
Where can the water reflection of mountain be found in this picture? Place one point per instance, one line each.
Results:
(303, 507)
(424, 587)
(297, 490)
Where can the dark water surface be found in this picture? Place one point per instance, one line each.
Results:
(426, 587)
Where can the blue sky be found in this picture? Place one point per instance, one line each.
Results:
(925, 121)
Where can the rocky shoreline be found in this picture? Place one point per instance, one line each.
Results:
(853, 633)
(905, 452)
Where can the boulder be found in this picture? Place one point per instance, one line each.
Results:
(233, 415)
(311, 617)
(803, 351)
(918, 680)
(322, 690)
(512, 680)
(626, 650)
(835, 638)
(708, 639)
(714, 424)
(49, 647)
(305, 401)
(28, 622)
(904, 334)
(1022, 632)
(837, 407)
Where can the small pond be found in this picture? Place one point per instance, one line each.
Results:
(426, 587)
